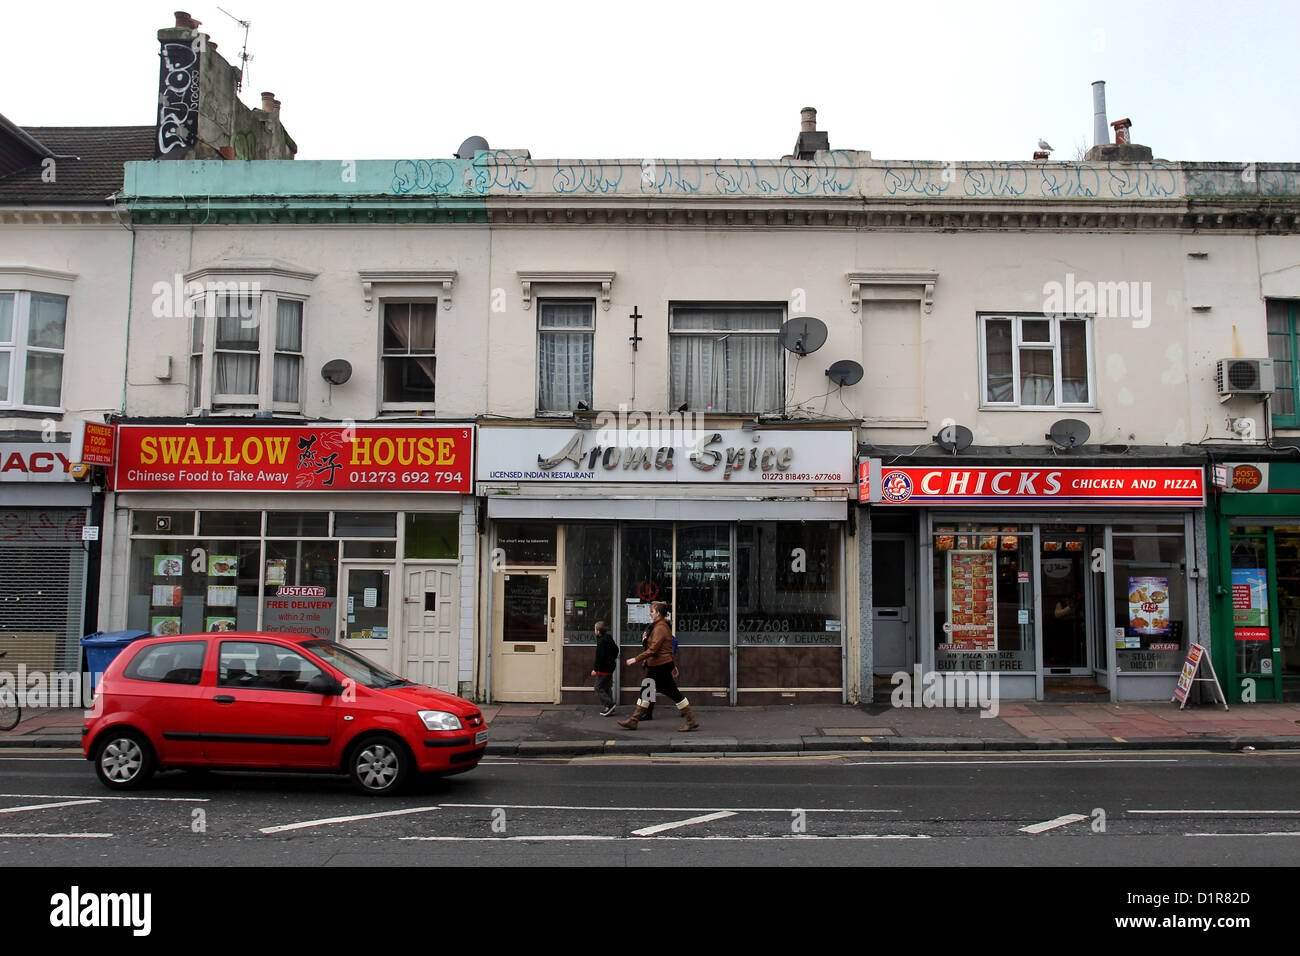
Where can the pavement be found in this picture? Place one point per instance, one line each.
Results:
(576, 729)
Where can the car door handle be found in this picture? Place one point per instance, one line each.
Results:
(224, 699)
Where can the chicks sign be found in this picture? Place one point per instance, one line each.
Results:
(295, 458)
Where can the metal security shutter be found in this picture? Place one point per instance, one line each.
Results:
(42, 588)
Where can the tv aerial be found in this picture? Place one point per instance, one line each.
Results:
(1069, 433)
(243, 54)
(845, 372)
(954, 438)
(803, 335)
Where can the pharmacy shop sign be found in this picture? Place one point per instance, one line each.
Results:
(575, 456)
(295, 458)
(1100, 487)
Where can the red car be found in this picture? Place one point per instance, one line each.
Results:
(272, 702)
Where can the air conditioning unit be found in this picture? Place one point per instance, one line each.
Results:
(1246, 376)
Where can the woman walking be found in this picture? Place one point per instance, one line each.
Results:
(661, 668)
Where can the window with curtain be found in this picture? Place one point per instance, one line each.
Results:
(1036, 361)
(287, 370)
(726, 358)
(565, 331)
(236, 355)
(408, 353)
(32, 330)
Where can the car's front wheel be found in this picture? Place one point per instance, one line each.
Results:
(124, 760)
(378, 766)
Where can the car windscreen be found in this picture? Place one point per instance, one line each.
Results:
(354, 665)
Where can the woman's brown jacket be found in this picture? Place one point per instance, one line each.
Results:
(660, 649)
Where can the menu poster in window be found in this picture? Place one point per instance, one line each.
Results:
(165, 626)
(1148, 605)
(223, 565)
(220, 595)
(168, 565)
(219, 624)
(638, 613)
(1250, 604)
(972, 607)
(275, 570)
(166, 595)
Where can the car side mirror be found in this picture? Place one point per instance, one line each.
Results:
(324, 684)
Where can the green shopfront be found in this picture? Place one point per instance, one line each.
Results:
(1254, 548)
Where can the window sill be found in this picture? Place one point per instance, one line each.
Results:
(1082, 409)
(29, 411)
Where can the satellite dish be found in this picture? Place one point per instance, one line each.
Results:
(470, 147)
(336, 371)
(845, 372)
(1069, 433)
(803, 335)
(954, 438)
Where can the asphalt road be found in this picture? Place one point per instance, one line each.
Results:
(1043, 809)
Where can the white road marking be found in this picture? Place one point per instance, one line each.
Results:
(1053, 824)
(1272, 834)
(660, 827)
(359, 816)
(533, 806)
(46, 806)
(47, 759)
(987, 763)
(586, 837)
(1292, 812)
(55, 836)
(82, 796)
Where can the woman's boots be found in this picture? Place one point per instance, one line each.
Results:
(637, 716)
(689, 717)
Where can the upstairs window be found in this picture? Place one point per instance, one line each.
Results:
(1036, 361)
(726, 358)
(1282, 315)
(408, 354)
(565, 333)
(33, 328)
(246, 352)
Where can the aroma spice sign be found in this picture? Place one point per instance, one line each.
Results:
(736, 456)
(295, 458)
(1179, 487)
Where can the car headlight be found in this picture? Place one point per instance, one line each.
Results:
(439, 720)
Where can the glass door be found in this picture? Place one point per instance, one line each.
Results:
(365, 613)
(1254, 613)
(1065, 595)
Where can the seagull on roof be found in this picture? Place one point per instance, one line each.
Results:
(1042, 144)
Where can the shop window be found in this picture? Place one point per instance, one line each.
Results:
(369, 549)
(408, 354)
(1036, 361)
(231, 523)
(163, 522)
(33, 327)
(433, 536)
(703, 587)
(365, 524)
(1150, 597)
(646, 563)
(1252, 611)
(297, 524)
(300, 592)
(726, 358)
(983, 597)
(1282, 349)
(565, 333)
(589, 587)
(187, 587)
(526, 543)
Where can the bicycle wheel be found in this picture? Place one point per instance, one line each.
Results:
(10, 712)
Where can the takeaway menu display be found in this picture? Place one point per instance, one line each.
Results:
(972, 603)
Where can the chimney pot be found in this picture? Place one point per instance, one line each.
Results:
(184, 21)
(277, 107)
(227, 152)
(268, 102)
(1121, 127)
(808, 119)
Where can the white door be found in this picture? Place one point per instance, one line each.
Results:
(525, 637)
(430, 627)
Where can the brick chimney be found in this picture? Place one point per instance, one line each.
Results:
(810, 141)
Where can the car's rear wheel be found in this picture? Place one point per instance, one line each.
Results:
(379, 765)
(124, 760)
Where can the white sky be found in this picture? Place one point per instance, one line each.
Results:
(934, 80)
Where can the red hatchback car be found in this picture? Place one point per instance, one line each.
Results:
(251, 701)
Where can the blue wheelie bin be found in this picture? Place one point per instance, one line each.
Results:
(101, 647)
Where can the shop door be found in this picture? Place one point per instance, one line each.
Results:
(429, 627)
(1256, 616)
(524, 652)
(892, 596)
(1066, 594)
(365, 613)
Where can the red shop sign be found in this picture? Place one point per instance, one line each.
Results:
(433, 458)
(1071, 486)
